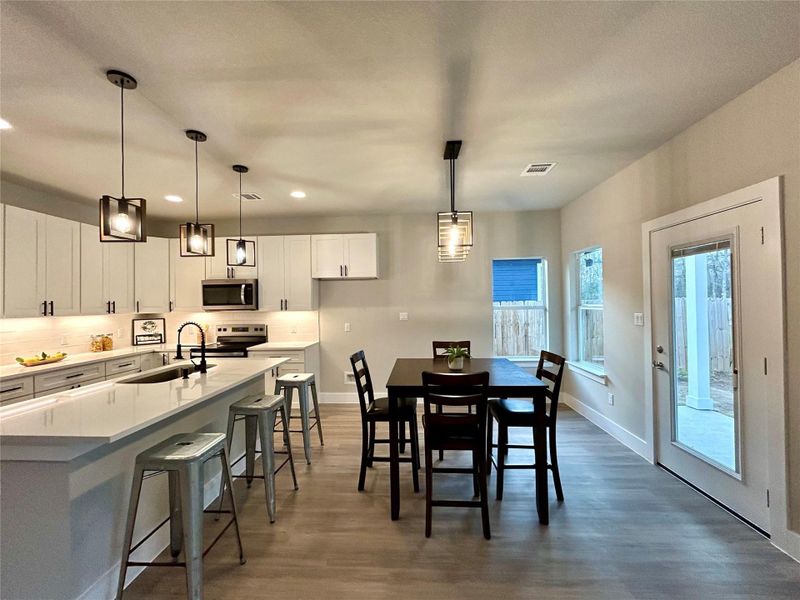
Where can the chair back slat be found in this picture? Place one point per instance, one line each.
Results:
(455, 389)
(366, 394)
(440, 347)
(555, 376)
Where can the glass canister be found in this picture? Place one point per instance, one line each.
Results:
(108, 341)
(96, 343)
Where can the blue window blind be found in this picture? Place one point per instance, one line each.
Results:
(516, 280)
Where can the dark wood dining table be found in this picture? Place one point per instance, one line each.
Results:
(506, 380)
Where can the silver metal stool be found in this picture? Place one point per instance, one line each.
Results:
(182, 457)
(258, 413)
(285, 384)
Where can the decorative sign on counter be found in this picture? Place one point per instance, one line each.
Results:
(148, 331)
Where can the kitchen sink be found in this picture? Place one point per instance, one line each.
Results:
(161, 375)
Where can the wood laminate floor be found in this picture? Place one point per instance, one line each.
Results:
(626, 530)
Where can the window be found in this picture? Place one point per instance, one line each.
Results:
(519, 301)
(589, 295)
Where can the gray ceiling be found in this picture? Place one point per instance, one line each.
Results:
(352, 102)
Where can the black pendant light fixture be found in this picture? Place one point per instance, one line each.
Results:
(454, 228)
(197, 239)
(241, 253)
(122, 219)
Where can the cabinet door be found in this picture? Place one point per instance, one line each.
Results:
(361, 255)
(217, 265)
(151, 275)
(2, 255)
(63, 266)
(186, 274)
(271, 276)
(24, 249)
(118, 259)
(327, 256)
(93, 297)
(301, 291)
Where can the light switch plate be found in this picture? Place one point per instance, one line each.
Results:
(347, 327)
(638, 319)
(404, 316)
(611, 399)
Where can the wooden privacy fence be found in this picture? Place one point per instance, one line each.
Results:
(720, 342)
(520, 329)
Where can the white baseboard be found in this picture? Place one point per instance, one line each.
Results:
(106, 587)
(632, 441)
(344, 397)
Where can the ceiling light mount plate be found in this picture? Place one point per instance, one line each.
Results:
(451, 149)
(196, 136)
(122, 79)
(240, 168)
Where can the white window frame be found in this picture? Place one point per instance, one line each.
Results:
(544, 289)
(577, 363)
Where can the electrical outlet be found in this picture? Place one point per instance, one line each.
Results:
(119, 334)
(638, 319)
(610, 399)
(64, 340)
(349, 378)
(347, 327)
(404, 316)
(293, 329)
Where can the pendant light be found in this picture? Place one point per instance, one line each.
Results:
(197, 239)
(241, 253)
(454, 228)
(122, 219)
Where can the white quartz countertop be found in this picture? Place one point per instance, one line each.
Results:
(73, 360)
(282, 346)
(109, 411)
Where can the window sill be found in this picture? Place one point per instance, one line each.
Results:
(588, 370)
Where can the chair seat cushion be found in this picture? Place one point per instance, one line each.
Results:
(512, 411)
(380, 408)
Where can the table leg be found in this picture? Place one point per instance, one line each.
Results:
(540, 444)
(394, 457)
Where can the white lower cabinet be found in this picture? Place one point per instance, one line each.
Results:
(151, 276)
(300, 361)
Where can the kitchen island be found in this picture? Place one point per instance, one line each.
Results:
(66, 463)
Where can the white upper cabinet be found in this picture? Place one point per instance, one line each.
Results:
(344, 256)
(42, 259)
(217, 266)
(186, 277)
(2, 255)
(119, 283)
(106, 281)
(284, 273)
(151, 275)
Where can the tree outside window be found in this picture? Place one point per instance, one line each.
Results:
(589, 278)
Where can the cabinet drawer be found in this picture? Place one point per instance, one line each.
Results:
(69, 386)
(291, 367)
(294, 356)
(9, 401)
(14, 388)
(123, 365)
(68, 377)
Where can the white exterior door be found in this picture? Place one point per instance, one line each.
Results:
(24, 263)
(361, 255)
(327, 256)
(186, 276)
(93, 298)
(119, 276)
(300, 290)
(714, 326)
(270, 272)
(151, 275)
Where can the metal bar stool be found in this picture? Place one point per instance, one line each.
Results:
(182, 457)
(285, 384)
(258, 413)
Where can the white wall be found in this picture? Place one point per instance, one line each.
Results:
(752, 138)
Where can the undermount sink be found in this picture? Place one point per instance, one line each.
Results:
(161, 375)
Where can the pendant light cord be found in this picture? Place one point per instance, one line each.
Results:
(453, 186)
(122, 133)
(240, 205)
(196, 187)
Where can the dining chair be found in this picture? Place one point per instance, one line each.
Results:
(439, 351)
(520, 413)
(376, 410)
(464, 431)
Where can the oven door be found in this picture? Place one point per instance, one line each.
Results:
(230, 294)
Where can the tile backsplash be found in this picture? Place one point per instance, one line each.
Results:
(25, 337)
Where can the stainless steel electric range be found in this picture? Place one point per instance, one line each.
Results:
(233, 340)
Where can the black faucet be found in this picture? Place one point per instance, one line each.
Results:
(202, 367)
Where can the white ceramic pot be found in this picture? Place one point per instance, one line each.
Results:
(455, 364)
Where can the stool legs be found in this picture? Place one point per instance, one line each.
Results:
(303, 396)
(287, 441)
(250, 431)
(316, 412)
(228, 479)
(136, 489)
(266, 425)
(175, 522)
(191, 491)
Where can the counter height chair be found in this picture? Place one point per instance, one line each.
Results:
(376, 410)
(519, 413)
(440, 351)
(462, 431)
(182, 457)
(306, 386)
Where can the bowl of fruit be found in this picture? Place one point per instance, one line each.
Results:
(41, 359)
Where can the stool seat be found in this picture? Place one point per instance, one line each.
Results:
(256, 403)
(296, 378)
(183, 447)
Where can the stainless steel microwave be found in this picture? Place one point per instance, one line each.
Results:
(230, 294)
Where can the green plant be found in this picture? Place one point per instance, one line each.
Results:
(456, 352)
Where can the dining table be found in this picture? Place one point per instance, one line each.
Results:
(506, 380)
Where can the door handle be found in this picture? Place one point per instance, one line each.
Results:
(170, 306)
(51, 308)
(137, 306)
(341, 271)
(241, 293)
(659, 365)
(286, 304)
(108, 307)
(44, 308)
(114, 306)
(345, 270)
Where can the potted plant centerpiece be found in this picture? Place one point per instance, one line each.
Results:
(455, 357)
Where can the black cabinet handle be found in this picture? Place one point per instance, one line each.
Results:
(74, 376)
(124, 365)
(14, 389)
(341, 271)
(137, 306)
(44, 308)
(170, 306)
(286, 304)
(108, 307)
(345, 270)
(51, 308)
(114, 306)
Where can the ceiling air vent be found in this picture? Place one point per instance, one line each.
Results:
(537, 169)
(248, 197)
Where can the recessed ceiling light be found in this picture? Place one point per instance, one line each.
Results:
(298, 194)
(5, 124)
(173, 198)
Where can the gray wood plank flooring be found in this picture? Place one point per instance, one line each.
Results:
(626, 530)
